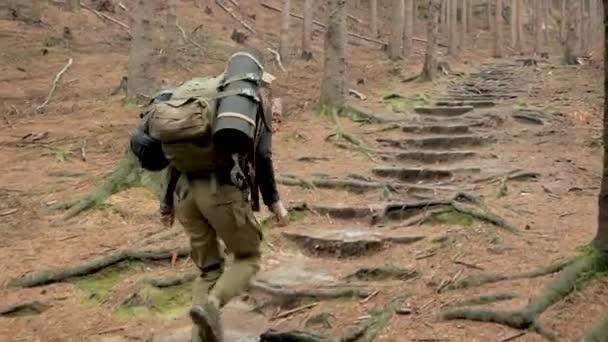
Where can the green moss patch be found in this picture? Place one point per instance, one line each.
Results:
(98, 285)
(153, 302)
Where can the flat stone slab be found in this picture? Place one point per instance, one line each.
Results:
(444, 111)
(470, 103)
(436, 129)
(421, 174)
(346, 242)
(445, 142)
(295, 269)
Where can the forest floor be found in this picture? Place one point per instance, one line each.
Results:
(378, 223)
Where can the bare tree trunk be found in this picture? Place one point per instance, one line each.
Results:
(445, 21)
(408, 31)
(396, 38)
(414, 16)
(284, 34)
(563, 20)
(538, 16)
(74, 5)
(374, 12)
(138, 81)
(307, 30)
(453, 31)
(498, 31)
(579, 26)
(571, 49)
(489, 13)
(464, 24)
(601, 239)
(585, 29)
(171, 50)
(333, 87)
(429, 70)
(513, 24)
(547, 14)
(520, 43)
(471, 4)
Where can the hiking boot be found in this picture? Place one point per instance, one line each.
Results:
(207, 318)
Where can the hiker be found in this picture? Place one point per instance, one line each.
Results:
(210, 185)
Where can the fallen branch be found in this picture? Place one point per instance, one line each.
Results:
(54, 86)
(293, 311)
(372, 326)
(107, 17)
(92, 266)
(277, 58)
(234, 16)
(188, 39)
(357, 94)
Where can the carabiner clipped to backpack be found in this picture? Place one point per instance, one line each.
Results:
(236, 174)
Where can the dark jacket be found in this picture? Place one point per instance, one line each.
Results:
(264, 175)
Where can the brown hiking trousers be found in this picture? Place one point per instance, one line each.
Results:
(209, 210)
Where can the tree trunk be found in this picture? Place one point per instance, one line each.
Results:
(396, 38)
(333, 87)
(374, 12)
(408, 32)
(513, 24)
(445, 25)
(571, 50)
(307, 30)
(414, 16)
(429, 70)
(138, 82)
(601, 239)
(470, 18)
(489, 14)
(172, 32)
(562, 24)
(464, 24)
(498, 32)
(284, 34)
(520, 43)
(579, 25)
(547, 14)
(453, 31)
(538, 16)
(74, 5)
(586, 30)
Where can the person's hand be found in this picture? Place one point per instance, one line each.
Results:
(280, 214)
(167, 218)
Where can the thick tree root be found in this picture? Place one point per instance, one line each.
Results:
(346, 140)
(291, 336)
(572, 276)
(128, 174)
(482, 300)
(598, 332)
(92, 266)
(351, 185)
(371, 327)
(489, 278)
(23, 309)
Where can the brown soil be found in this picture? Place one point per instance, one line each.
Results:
(555, 214)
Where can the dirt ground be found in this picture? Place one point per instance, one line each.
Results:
(65, 150)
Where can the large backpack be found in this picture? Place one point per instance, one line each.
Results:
(208, 123)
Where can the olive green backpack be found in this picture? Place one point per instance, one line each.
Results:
(184, 124)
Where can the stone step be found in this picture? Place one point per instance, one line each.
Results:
(472, 103)
(443, 111)
(436, 129)
(417, 175)
(346, 242)
(446, 142)
(432, 157)
(472, 97)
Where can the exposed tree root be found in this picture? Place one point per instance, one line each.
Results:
(598, 332)
(383, 273)
(358, 115)
(572, 276)
(92, 266)
(346, 140)
(23, 309)
(371, 327)
(489, 278)
(290, 336)
(351, 185)
(482, 300)
(128, 174)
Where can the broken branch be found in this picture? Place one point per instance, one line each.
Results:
(234, 16)
(57, 78)
(107, 17)
(277, 58)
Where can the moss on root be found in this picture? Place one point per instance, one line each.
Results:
(98, 285)
(575, 275)
(128, 174)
